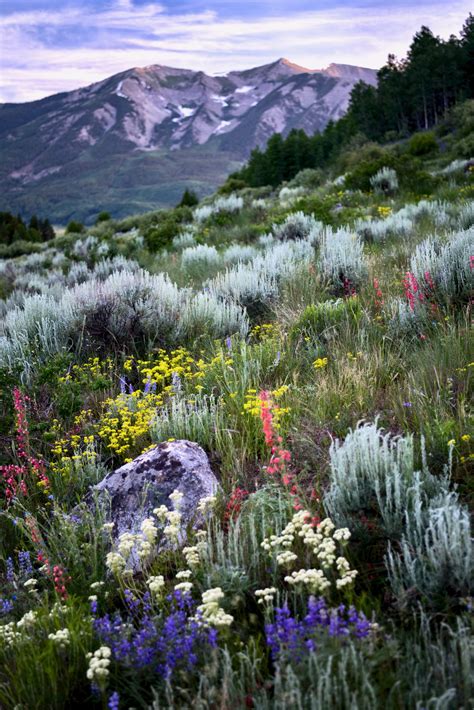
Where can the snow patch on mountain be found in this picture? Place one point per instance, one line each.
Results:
(244, 89)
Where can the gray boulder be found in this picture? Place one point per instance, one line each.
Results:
(135, 489)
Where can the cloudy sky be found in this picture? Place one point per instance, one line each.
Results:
(48, 46)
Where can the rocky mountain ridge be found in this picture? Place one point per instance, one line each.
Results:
(163, 110)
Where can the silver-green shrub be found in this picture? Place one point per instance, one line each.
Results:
(446, 265)
(435, 555)
(206, 313)
(342, 258)
(403, 321)
(385, 181)
(288, 195)
(238, 252)
(297, 225)
(465, 216)
(373, 470)
(232, 203)
(200, 260)
(194, 419)
(259, 280)
(126, 308)
(184, 239)
(378, 230)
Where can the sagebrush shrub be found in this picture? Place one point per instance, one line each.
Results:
(342, 259)
(385, 181)
(373, 472)
(297, 226)
(435, 556)
(445, 268)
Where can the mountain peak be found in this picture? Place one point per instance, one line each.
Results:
(283, 61)
(351, 72)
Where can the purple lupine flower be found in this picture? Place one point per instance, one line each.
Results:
(133, 604)
(161, 644)
(277, 359)
(176, 382)
(123, 384)
(114, 701)
(24, 563)
(289, 636)
(10, 570)
(228, 342)
(6, 605)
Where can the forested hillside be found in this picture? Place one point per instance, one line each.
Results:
(412, 94)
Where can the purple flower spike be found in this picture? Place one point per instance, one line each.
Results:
(289, 637)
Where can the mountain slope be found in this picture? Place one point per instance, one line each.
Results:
(121, 135)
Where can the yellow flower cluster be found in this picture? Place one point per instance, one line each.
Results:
(253, 404)
(465, 446)
(320, 362)
(74, 451)
(94, 368)
(354, 356)
(265, 331)
(178, 362)
(126, 424)
(384, 211)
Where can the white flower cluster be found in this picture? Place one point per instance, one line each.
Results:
(211, 613)
(27, 620)
(156, 585)
(148, 541)
(145, 542)
(99, 663)
(115, 563)
(285, 558)
(172, 517)
(185, 585)
(322, 541)
(347, 575)
(97, 585)
(8, 634)
(193, 553)
(313, 579)
(30, 585)
(58, 609)
(206, 504)
(265, 595)
(126, 543)
(61, 638)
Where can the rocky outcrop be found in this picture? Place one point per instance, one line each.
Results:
(137, 488)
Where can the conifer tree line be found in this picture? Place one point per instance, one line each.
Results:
(412, 94)
(13, 229)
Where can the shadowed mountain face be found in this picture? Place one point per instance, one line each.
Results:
(135, 140)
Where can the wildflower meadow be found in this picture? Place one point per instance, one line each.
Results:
(315, 340)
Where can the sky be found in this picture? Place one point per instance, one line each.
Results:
(48, 46)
